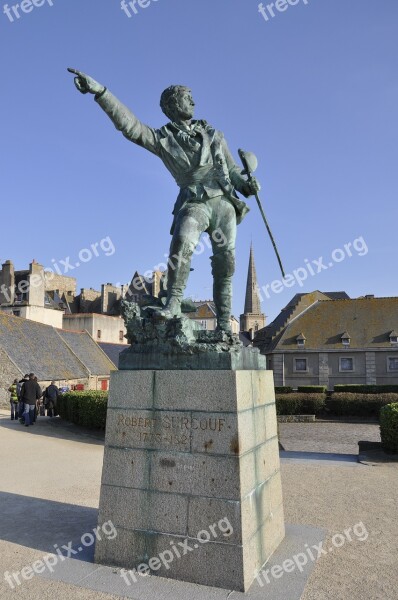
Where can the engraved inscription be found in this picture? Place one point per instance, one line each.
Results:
(165, 429)
(167, 422)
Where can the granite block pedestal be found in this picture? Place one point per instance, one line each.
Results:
(191, 476)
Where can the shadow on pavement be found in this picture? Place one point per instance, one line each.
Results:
(55, 427)
(318, 456)
(40, 524)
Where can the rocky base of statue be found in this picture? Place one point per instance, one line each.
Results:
(160, 342)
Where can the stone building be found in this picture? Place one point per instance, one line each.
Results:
(69, 358)
(102, 328)
(329, 338)
(252, 319)
(206, 317)
(26, 294)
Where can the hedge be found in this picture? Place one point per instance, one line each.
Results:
(389, 427)
(366, 389)
(86, 408)
(283, 389)
(311, 389)
(359, 405)
(300, 404)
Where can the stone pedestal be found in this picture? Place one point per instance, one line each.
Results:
(191, 476)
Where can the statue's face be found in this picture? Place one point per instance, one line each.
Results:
(185, 104)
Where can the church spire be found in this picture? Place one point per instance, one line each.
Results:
(252, 300)
(252, 319)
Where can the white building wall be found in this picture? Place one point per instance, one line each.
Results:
(110, 327)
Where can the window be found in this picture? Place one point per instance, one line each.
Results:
(392, 363)
(121, 336)
(301, 339)
(16, 313)
(203, 324)
(346, 364)
(345, 339)
(99, 334)
(394, 338)
(300, 365)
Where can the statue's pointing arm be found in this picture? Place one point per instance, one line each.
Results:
(123, 119)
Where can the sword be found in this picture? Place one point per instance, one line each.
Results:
(250, 163)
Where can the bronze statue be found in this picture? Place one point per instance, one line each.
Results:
(199, 159)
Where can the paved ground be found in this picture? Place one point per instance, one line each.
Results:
(51, 470)
(326, 436)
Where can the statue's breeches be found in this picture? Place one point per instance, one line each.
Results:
(217, 217)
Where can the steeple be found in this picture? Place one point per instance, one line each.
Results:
(252, 319)
(252, 300)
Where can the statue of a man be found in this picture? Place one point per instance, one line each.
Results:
(198, 158)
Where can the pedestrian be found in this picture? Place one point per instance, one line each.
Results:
(20, 401)
(14, 399)
(30, 393)
(50, 399)
(36, 411)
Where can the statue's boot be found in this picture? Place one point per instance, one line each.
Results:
(177, 278)
(223, 267)
(222, 294)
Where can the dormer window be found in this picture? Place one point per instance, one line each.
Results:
(394, 338)
(346, 339)
(301, 339)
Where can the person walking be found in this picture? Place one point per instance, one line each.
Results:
(20, 401)
(30, 393)
(14, 399)
(50, 399)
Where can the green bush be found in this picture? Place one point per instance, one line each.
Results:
(359, 405)
(300, 404)
(311, 389)
(366, 389)
(285, 389)
(389, 427)
(87, 408)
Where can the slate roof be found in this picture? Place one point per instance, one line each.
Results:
(337, 295)
(369, 322)
(51, 353)
(112, 351)
(298, 303)
(204, 310)
(88, 351)
(37, 348)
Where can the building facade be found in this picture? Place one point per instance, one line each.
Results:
(328, 339)
(25, 294)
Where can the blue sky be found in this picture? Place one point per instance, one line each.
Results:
(312, 91)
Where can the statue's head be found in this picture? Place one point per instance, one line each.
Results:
(176, 102)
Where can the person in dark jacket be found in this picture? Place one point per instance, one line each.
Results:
(50, 399)
(30, 393)
(20, 401)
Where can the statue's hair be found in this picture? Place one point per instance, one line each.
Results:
(168, 100)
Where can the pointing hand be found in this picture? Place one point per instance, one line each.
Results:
(86, 84)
